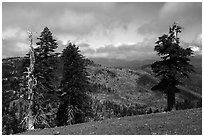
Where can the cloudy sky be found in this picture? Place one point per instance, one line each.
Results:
(108, 30)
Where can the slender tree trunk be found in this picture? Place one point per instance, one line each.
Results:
(170, 99)
(31, 84)
(30, 122)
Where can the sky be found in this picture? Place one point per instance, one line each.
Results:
(119, 30)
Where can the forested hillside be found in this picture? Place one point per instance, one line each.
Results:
(114, 92)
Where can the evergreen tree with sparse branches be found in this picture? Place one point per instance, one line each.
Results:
(74, 86)
(174, 65)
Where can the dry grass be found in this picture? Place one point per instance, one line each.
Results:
(182, 122)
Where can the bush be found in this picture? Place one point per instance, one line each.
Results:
(188, 104)
(146, 80)
(111, 73)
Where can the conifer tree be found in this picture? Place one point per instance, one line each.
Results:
(10, 84)
(44, 94)
(45, 66)
(74, 99)
(174, 65)
(44, 97)
(45, 59)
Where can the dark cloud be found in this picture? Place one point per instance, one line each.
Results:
(85, 49)
(152, 27)
(139, 51)
(99, 24)
(83, 45)
(60, 16)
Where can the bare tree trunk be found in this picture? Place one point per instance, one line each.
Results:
(170, 99)
(30, 122)
(31, 84)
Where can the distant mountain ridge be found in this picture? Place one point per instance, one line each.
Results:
(135, 64)
(121, 63)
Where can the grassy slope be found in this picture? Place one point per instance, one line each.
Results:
(181, 122)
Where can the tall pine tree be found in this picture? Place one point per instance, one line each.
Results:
(46, 59)
(74, 98)
(45, 91)
(45, 66)
(174, 64)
